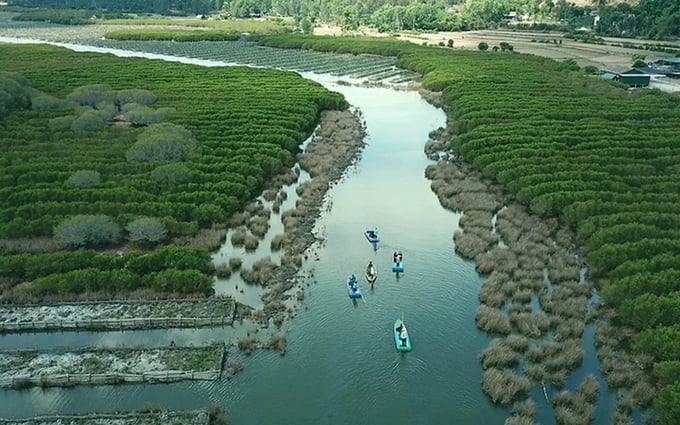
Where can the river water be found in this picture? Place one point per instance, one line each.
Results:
(341, 366)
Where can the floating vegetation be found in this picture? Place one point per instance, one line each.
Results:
(235, 263)
(504, 386)
(261, 273)
(238, 238)
(247, 344)
(277, 242)
(522, 413)
(492, 320)
(499, 355)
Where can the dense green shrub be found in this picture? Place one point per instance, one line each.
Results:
(147, 230)
(172, 174)
(664, 342)
(162, 142)
(88, 121)
(87, 230)
(667, 404)
(84, 178)
(667, 372)
(173, 35)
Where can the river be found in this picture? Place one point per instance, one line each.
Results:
(341, 366)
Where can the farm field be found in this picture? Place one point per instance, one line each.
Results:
(608, 57)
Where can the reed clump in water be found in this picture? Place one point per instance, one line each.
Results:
(523, 413)
(528, 323)
(469, 244)
(247, 344)
(499, 355)
(233, 367)
(238, 219)
(269, 194)
(492, 320)
(251, 243)
(258, 226)
(222, 270)
(277, 242)
(261, 273)
(504, 386)
(577, 408)
(497, 259)
(277, 342)
(238, 237)
(491, 292)
(235, 263)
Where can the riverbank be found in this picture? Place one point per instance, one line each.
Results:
(334, 147)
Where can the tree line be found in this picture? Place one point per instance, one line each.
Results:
(657, 19)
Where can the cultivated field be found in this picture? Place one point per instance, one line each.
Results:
(606, 56)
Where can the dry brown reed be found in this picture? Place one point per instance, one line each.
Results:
(572, 408)
(499, 355)
(575, 307)
(519, 308)
(223, 270)
(247, 344)
(530, 324)
(493, 290)
(261, 272)
(536, 372)
(269, 195)
(277, 342)
(588, 388)
(470, 244)
(277, 242)
(239, 219)
(480, 219)
(518, 343)
(504, 386)
(497, 259)
(525, 408)
(251, 242)
(235, 263)
(259, 225)
(567, 328)
(492, 320)
(522, 296)
(210, 239)
(233, 367)
(535, 285)
(289, 259)
(254, 208)
(622, 418)
(238, 238)
(286, 178)
(519, 420)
